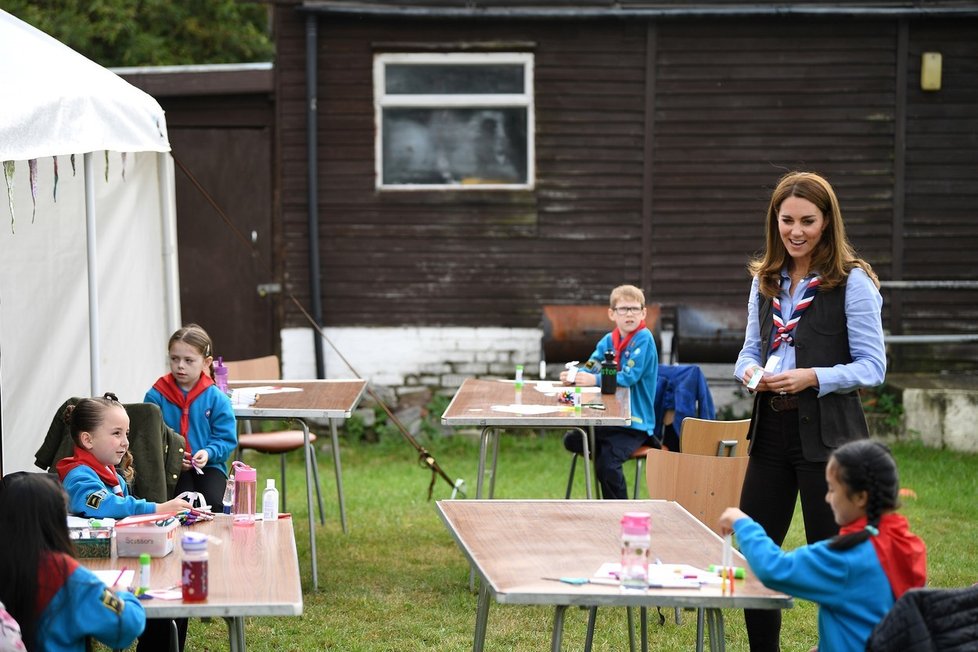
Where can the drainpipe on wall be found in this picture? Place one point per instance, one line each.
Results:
(312, 179)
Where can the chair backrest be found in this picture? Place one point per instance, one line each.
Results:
(704, 485)
(708, 437)
(264, 368)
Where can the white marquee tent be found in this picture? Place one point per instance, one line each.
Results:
(76, 318)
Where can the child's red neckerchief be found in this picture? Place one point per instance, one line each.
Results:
(84, 457)
(167, 386)
(53, 570)
(620, 343)
(902, 554)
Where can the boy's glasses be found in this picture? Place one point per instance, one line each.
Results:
(628, 310)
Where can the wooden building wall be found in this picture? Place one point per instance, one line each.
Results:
(658, 142)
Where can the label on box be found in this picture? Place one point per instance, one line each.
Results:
(155, 536)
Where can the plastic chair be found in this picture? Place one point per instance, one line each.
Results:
(709, 437)
(278, 442)
(638, 456)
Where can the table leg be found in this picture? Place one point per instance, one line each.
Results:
(495, 458)
(631, 628)
(558, 634)
(312, 517)
(339, 472)
(481, 619)
(699, 630)
(644, 625)
(714, 619)
(592, 616)
(236, 634)
(483, 443)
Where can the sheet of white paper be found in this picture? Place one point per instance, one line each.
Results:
(528, 409)
(108, 577)
(680, 576)
(166, 594)
(551, 388)
(248, 395)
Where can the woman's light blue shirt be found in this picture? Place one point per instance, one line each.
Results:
(865, 325)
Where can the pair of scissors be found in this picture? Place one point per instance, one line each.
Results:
(577, 581)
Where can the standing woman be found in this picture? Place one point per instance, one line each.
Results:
(816, 307)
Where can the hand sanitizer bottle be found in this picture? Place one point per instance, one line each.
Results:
(269, 501)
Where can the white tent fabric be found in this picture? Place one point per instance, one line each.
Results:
(55, 102)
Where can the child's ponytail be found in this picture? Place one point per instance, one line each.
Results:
(867, 465)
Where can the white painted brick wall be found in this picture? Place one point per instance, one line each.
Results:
(444, 357)
(386, 356)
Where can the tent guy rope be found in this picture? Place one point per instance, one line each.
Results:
(425, 458)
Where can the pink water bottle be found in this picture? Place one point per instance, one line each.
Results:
(636, 539)
(245, 494)
(221, 375)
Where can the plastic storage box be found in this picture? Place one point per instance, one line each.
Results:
(153, 534)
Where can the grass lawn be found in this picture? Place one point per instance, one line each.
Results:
(397, 581)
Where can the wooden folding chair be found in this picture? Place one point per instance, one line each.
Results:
(710, 437)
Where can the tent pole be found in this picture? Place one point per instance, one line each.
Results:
(171, 275)
(94, 353)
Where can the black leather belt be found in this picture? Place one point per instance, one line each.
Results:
(783, 402)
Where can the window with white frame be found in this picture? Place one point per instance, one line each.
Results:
(454, 120)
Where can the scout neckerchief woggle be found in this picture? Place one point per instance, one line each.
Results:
(785, 328)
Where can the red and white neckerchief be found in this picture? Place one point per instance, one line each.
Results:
(785, 328)
(620, 343)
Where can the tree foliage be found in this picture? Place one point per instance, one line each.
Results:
(153, 32)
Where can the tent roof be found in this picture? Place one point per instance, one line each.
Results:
(56, 101)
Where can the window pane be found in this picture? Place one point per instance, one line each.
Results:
(438, 79)
(454, 146)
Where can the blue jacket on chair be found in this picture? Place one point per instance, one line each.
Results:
(682, 388)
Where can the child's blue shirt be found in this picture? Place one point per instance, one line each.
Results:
(850, 587)
(83, 606)
(89, 496)
(212, 426)
(639, 372)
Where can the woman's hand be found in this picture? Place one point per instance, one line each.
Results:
(789, 382)
(730, 516)
(185, 463)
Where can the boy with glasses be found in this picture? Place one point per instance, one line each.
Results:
(637, 361)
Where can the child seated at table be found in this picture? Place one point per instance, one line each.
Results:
(100, 431)
(856, 576)
(57, 602)
(637, 360)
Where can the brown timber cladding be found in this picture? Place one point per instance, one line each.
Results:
(736, 102)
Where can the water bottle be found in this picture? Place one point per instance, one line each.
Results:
(577, 400)
(245, 494)
(194, 567)
(636, 538)
(221, 375)
(519, 377)
(228, 498)
(269, 501)
(609, 373)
